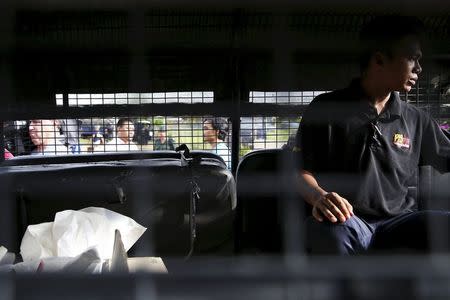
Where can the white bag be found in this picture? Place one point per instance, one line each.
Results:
(74, 232)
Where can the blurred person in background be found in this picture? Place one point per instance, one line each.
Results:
(46, 138)
(161, 140)
(71, 131)
(7, 144)
(215, 132)
(124, 137)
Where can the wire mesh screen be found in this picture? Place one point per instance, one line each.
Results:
(136, 98)
(118, 134)
(36, 137)
(294, 97)
(134, 131)
(95, 135)
(432, 93)
(262, 132)
(270, 132)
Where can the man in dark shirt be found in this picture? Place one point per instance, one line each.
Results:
(361, 146)
(161, 140)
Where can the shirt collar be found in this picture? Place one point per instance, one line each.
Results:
(393, 106)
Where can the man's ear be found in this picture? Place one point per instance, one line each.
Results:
(378, 58)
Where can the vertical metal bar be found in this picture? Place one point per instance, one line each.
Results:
(65, 100)
(8, 212)
(236, 120)
(6, 79)
(138, 78)
(237, 87)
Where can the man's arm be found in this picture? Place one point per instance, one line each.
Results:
(312, 148)
(325, 205)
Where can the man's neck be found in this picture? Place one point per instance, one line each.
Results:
(377, 95)
(213, 144)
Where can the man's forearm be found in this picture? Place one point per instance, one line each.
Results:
(310, 189)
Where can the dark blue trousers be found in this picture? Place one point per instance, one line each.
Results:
(417, 232)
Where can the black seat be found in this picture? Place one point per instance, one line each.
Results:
(434, 189)
(154, 189)
(263, 179)
(259, 191)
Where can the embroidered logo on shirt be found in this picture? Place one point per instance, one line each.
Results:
(401, 141)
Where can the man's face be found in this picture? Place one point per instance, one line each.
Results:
(401, 71)
(209, 133)
(162, 135)
(42, 132)
(126, 131)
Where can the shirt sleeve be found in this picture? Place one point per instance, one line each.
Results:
(435, 146)
(312, 139)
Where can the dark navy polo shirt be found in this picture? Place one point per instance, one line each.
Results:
(371, 160)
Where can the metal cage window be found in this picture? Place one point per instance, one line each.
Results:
(79, 100)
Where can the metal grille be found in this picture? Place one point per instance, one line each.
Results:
(116, 134)
(271, 132)
(96, 135)
(432, 93)
(267, 132)
(136, 98)
(295, 98)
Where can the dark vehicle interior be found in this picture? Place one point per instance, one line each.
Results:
(228, 224)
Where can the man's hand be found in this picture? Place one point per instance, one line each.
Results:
(333, 207)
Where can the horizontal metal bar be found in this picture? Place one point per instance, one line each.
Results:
(176, 109)
(416, 6)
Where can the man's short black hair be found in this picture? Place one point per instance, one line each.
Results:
(123, 121)
(382, 32)
(219, 124)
